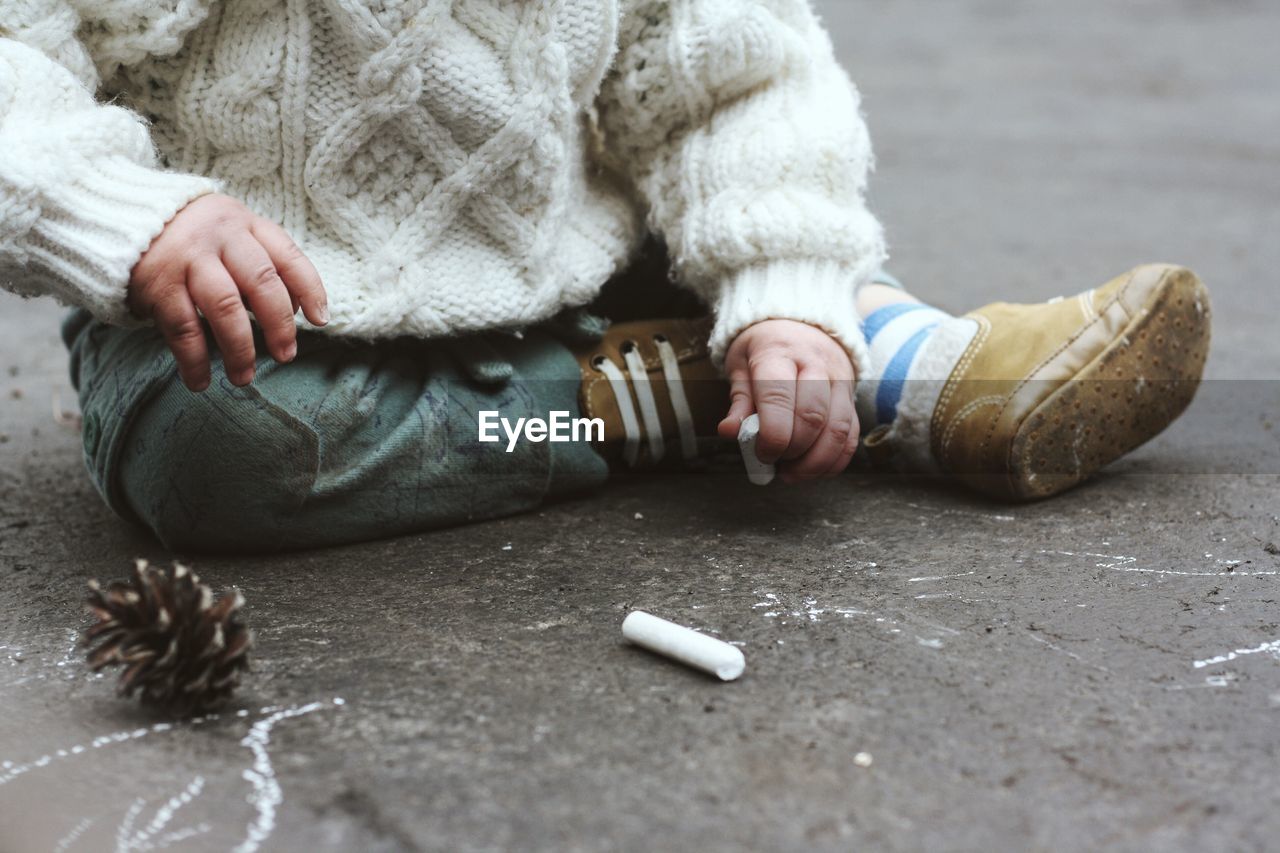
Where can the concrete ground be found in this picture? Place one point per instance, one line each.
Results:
(926, 670)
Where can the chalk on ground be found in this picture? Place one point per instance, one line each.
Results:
(759, 473)
(684, 644)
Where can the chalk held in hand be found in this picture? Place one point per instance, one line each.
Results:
(684, 644)
(759, 473)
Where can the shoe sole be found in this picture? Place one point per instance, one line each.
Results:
(1128, 394)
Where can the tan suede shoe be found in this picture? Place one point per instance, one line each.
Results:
(653, 384)
(1045, 395)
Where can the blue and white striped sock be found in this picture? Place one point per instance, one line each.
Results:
(914, 348)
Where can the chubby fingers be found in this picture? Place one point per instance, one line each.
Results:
(176, 318)
(262, 288)
(217, 296)
(832, 378)
(834, 446)
(740, 406)
(217, 258)
(800, 381)
(812, 407)
(773, 391)
(296, 271)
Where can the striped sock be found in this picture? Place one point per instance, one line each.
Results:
(914, 348)
(895, 335)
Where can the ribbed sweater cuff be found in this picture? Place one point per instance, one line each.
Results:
(820, 293)
(96, 224)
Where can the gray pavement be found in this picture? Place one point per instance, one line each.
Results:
(1098, 671)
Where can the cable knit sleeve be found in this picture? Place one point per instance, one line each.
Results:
(82, 194)
(744, 136)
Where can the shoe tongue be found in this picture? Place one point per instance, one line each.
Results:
(704, 390)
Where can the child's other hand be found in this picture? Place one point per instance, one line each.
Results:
(801, 383)
(216, 255)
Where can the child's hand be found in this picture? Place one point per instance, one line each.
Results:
(800, 381)
(216, 255)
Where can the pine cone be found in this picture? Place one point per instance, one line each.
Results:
(181, 649)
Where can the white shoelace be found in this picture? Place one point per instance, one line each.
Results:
(652, 430)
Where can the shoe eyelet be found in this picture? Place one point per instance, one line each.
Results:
(628, 346)
(660, 338)
(596, 362)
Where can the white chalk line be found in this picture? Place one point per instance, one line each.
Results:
(807, 608)
(1269, 648)
(125, 829)
(1069, 653)
(10, 770)
(941, 577)
(1123, 563)
(68, 657)
(40, 662)
(927, 596)
(265, 798)
(267, 795)
(1210, 682)
(149, 838)
(65, 842)
(968, 513)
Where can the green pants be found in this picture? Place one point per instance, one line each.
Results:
(348, 442)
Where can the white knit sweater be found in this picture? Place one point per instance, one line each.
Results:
(448, 165)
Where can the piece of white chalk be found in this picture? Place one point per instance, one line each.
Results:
(759, 473)
(684, 644)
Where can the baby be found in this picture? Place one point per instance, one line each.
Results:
(308, 244)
